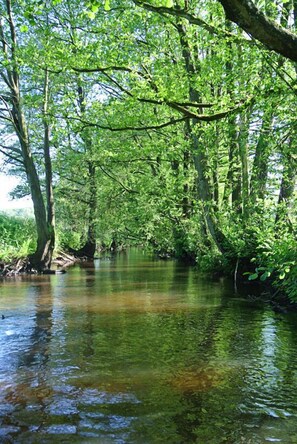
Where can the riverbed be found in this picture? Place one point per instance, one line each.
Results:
(132, 349)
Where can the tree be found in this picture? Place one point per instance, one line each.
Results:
(13, 114)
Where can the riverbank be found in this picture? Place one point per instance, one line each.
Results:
(19, 266)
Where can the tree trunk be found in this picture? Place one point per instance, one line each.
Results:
(243, 154)
(232, 187)
(192, 66)
(48, 172)
(187, 202)
(41, 259)
(287, 187)
(260, 164)
(256, 24)
(215, 172)
(233, 180)
(89, 248)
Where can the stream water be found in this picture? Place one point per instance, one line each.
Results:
(129, 349)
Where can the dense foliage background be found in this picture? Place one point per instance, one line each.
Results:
(158, 123)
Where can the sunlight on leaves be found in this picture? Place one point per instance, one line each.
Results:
(107, 5)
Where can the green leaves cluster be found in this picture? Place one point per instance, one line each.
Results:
(277, 261)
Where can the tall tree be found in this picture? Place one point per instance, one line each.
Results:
(13, 114)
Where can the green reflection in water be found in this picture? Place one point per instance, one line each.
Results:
(132, 350)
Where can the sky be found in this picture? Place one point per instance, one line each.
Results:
(7, 183)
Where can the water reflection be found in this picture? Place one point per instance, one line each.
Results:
(133, 350)
(26, 355)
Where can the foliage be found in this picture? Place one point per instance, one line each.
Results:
(18, 237)
(68, 238)
(276, 261)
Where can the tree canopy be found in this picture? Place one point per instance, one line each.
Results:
(160, 123)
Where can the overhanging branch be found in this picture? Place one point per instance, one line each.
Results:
(182, 13)
(9, 156)
(246, 15)
(87, 123)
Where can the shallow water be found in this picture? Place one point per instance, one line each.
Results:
(135, 350)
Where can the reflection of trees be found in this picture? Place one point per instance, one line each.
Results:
(189, 352)
(37, 353)
(89, 315)
(191, 357)
(31, 387)
(253, 349)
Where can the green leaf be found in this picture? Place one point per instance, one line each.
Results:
(254, 276)
(91, 15)
(107, 5)
(282, 275)
(169, 3)
(24, 28)
(265, 276)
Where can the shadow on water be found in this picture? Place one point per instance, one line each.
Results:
(134, 350)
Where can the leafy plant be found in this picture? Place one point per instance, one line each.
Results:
(18, 238)
(277, 262)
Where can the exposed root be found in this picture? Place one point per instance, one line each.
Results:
(64, 259)
(14, 267)
(23, 266)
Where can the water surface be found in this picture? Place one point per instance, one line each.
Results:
(135, 350)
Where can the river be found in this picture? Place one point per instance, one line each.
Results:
(131, 349)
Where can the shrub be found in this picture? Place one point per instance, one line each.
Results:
(18, 237)
(276, 261)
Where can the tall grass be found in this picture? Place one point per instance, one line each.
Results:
(17, 236)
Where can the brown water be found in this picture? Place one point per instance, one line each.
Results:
(136, 350)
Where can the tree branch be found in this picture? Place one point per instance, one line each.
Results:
(15, 159)
(182, 13)
(115, 179)
(246, 15)
(128, 128)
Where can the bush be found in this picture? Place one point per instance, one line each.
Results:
(276, 262)
(68, 238)
(18, 237)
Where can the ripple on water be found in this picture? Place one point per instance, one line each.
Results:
(106, 423)
(6, 430)
(58, 429)
(62, 406)
(200, 366)
(96, 397)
